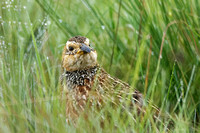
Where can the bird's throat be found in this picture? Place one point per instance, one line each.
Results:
(79, 77)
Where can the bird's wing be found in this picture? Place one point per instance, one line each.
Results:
(113, 88)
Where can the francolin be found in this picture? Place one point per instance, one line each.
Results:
(85, 83)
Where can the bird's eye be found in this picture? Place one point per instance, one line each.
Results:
(89, 45)
(71, 48)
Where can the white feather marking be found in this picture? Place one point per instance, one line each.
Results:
(87, 41)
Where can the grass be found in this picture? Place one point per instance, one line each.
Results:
(154, 46)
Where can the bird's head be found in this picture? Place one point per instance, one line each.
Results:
(78, 54)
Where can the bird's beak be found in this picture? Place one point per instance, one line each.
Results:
(84, 48)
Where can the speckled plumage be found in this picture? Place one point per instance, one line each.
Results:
(84, 81)
(78, 77)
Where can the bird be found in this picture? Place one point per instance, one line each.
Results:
(85, 83)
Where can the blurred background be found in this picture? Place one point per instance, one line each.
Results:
(152, 45)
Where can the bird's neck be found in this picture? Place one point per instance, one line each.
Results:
(80, 77)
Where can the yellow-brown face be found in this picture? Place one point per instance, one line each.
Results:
(78, 54)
